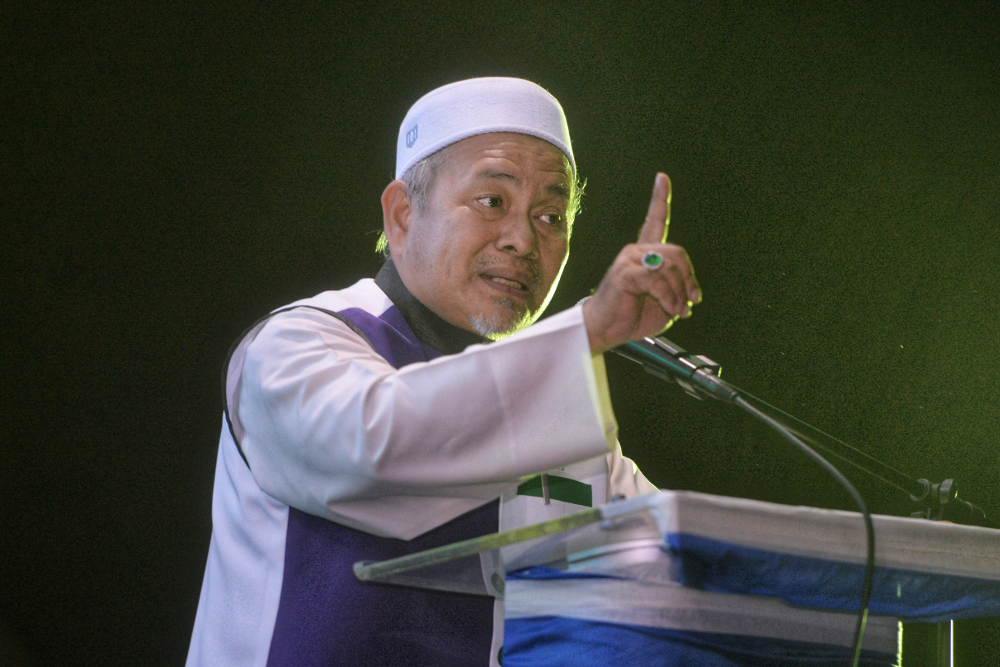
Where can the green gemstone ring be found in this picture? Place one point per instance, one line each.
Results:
(652, 260)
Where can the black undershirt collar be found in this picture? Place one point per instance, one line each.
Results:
(430, 329)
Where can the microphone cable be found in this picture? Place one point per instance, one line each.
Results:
(866, 590)
(700, 377)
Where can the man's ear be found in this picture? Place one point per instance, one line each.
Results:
(396, 212)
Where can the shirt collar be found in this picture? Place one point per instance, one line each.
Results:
(430, 329)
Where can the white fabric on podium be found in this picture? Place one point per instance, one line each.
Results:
(641, 603)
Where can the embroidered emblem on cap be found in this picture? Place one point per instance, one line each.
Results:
(411, 137)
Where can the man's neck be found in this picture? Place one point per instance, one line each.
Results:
(431, 329)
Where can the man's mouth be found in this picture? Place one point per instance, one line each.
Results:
(506, 285)
(506, 281)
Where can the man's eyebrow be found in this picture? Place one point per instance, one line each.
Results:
(494, 175)
(559, 189)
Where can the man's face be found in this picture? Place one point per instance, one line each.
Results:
(488, 250)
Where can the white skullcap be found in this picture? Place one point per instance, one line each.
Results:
(477, 106)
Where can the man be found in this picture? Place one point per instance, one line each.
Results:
(372, 422)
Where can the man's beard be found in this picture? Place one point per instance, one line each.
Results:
(508, 316)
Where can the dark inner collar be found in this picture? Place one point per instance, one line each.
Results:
(428, 327)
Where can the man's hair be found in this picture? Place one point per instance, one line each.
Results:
(420, 179)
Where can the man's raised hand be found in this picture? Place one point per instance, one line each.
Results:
(635, 300)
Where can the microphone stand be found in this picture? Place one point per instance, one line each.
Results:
(700, 377)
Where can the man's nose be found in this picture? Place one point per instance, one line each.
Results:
(518, 234)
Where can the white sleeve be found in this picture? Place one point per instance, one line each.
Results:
(327, 420)
(624, 476)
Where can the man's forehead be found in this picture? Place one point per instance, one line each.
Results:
(504, 155)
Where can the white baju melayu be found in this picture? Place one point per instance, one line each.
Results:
(329, 427)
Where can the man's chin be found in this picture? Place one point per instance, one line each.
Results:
(505, 318)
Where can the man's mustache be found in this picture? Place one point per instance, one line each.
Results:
(486, 262)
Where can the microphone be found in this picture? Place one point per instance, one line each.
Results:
(698, 375)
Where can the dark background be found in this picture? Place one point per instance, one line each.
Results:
(169, 175)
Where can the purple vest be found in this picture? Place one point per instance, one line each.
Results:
(327, 617)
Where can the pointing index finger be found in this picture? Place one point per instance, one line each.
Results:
(654, 229)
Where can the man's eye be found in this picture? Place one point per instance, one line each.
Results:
(552, 219)
(490, 201)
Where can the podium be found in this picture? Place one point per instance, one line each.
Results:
(684, 578)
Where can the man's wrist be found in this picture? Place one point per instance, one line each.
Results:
(598, 345)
